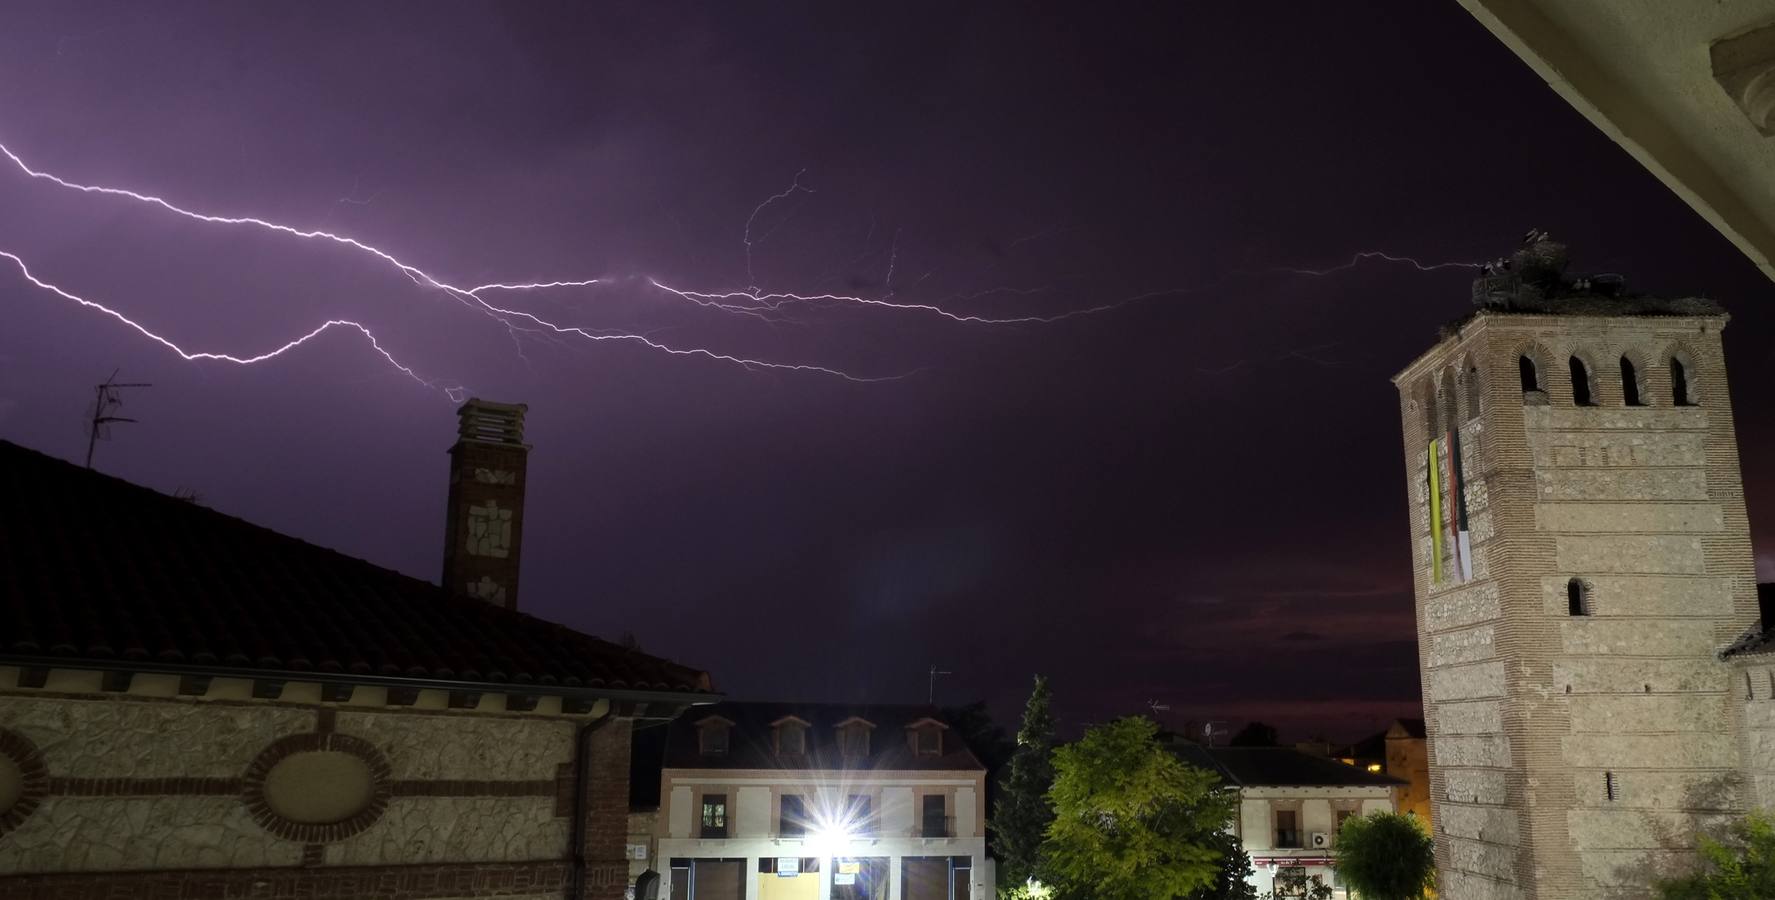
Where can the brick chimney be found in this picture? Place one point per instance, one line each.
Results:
(484, 520)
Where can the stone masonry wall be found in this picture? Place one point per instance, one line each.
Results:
(123, 785)
(1576, 756)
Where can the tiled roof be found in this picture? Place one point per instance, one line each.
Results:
(1277, 767)
(751, 744)
(1281, 766)
(99, 571)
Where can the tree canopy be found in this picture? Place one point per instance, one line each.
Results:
(1131, 820)
(1234, 880)
(1020, 822)
(1741, 867)
(1386, 856)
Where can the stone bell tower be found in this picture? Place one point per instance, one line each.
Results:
(484, 518)
(1580, 554)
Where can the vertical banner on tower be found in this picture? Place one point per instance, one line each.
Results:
(1458, 507)
(1435, 515)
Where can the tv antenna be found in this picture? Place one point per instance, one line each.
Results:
(1157, 707)
(931, 692)
(106, 398)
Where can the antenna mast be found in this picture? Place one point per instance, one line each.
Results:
(107, 397)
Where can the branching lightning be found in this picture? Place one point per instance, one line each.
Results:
(794, 186)
(1376, 254)
(469, 296)
(454, 392)
(754, 302)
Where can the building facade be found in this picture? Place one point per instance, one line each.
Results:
(1408, 759)
(193, 706)
(1291, 805)
(767, 801)
(1581, 561)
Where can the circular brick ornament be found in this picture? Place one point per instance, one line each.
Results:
(24, 779)
(281, 794)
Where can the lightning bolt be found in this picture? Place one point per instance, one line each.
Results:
(1376, 254)
(750, 302)
(468, 296)
(755, 303)
(454, 392)
(794, 185)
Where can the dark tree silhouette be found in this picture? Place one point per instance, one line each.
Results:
(1255, 734)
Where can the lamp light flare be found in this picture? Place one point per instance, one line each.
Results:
(455, 393)
(468, 296)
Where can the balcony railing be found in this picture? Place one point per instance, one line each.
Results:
(937, 827)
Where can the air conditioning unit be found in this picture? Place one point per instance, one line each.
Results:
(1321, 840)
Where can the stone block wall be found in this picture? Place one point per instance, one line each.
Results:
(131, 794)
(1577, 756)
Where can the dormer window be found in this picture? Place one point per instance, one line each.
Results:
(926, 737)
(713, 735)
(853, 737)
(791, 736)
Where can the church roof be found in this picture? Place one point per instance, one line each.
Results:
(96, 572)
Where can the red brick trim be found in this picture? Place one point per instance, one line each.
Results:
(144, 787)
(253, 787)
(467, 788)
(417, 882)
(33, 774)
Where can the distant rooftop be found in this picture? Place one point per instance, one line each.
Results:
(1761, 640)
(1277, 767)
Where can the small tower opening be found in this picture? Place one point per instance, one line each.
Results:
(1680, 392)
(1531, 376)
(1630, 383)
(1577, 597)
(1473, 391)
(1581, 393)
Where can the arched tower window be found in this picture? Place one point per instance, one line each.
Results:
(1582, 395)
(1630, 383)
(1531, 375)
(1577, 598)
(1681, 392)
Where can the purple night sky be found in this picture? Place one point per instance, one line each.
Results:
(1195, 498)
